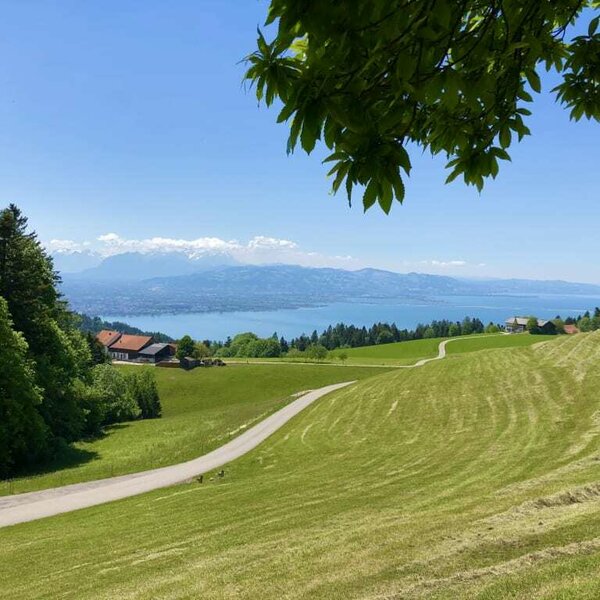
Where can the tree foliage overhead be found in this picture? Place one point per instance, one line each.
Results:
(375, 78)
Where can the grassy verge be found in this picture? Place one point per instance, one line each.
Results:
(202, 409)
(472, 477)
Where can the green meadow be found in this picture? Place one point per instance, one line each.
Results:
(487, 342)
(403, 353)
(395, 353)
(471, 477)
(202, 409)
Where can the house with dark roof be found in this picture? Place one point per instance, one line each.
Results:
(134, 348)
(519, 325)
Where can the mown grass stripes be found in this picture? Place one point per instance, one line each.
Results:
(471, 477)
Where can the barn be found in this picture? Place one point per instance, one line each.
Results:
(156, 352)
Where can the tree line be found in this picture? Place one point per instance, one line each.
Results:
(588, 321)
(342, 336)
(55, 384)
(316, 346)
(93, 325)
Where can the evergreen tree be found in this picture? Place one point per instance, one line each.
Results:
(28, 284)
(97, 351)
(23, 434)
(284, 345)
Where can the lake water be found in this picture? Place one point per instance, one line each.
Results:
(405, 313)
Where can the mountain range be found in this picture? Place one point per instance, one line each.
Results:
(134, 283)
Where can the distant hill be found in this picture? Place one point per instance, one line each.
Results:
(135, 266)
(247, 287)
(74, 262)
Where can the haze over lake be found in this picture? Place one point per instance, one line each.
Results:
(405, 313)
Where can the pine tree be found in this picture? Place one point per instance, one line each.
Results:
(28, 284)
(23, 434)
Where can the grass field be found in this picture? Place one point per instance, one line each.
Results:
(403, 353)
(472, 477)
(487, 342)
(200, 409)
(396, 353)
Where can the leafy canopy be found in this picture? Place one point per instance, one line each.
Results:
(374, 78)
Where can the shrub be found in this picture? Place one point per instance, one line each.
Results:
(112, 391)
(142, 388)
(316, 352)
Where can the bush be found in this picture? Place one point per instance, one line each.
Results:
(263, 348)
(142, 388)
(92, 402)
(294, 353)
(224, 352)
(316, 352)
(112, 391)
(239, 344)
(201, 350)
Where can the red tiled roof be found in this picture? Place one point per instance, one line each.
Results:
(131, 343)
(107, 337)
(571, 329)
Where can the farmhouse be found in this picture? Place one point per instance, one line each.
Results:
(128, 347)
(134, 348)
(519, 325)
(571, 329)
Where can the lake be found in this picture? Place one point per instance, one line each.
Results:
(405, 313)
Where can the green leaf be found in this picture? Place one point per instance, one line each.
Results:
(500, 153)
(370, 195)
(505, 136)
(262, 43)
(349, 185)
(308, 138)
(403, 159)
(286, 112)
(534, 80)
(339, 155)
(342, 172)
(593, 26)
(294, 132)
(386, 197)
(399, 189)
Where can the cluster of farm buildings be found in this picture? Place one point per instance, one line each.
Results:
(135, 348)
(519, 325)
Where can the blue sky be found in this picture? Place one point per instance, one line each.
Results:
(129, 118)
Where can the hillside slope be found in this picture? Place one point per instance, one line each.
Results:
(476, 476)
(202, 409)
